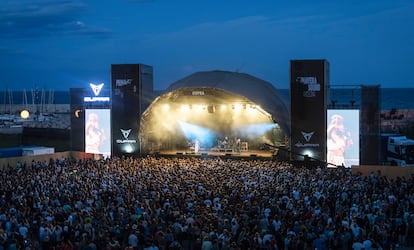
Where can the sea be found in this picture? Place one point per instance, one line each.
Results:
(390, 98)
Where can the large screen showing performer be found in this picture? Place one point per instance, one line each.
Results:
(98, 131)
(342, 137)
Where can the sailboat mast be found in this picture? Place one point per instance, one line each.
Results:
(10, 101)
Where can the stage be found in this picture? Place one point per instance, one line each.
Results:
(218, 153)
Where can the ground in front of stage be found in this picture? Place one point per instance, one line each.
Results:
(218, 153)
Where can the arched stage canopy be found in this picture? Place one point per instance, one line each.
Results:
(211, 107)
(258, 91)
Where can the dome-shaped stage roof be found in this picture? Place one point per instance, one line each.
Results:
(256, 90)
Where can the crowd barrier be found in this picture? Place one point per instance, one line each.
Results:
(391, 172)
(12, 161)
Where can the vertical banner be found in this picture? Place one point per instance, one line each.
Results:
(77, 119)
(309, 82)
(128, 104)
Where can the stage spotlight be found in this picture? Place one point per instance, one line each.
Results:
(198, 107)
(237, 107)
(166, 107)
(128, 148)
(185, 108)
(24, 114)
(309, 153)
(251, 109)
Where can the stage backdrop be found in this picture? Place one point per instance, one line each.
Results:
(132, 93)
(309, 82)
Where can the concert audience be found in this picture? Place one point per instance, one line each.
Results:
(194, 203)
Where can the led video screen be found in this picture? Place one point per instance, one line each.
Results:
(98, 131)
(342, 137)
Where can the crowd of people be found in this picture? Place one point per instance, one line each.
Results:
(200, 203)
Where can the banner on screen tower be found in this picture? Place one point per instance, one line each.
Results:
(131, 84)
(309, 82)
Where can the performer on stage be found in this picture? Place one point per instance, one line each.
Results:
(196, 146)
(238, 144)
(226, 142)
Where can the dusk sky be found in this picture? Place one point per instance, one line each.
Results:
(63, 44)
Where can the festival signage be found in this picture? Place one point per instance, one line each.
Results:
(308, 97)
(96, 91)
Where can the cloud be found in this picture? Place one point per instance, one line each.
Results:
(41, 18)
